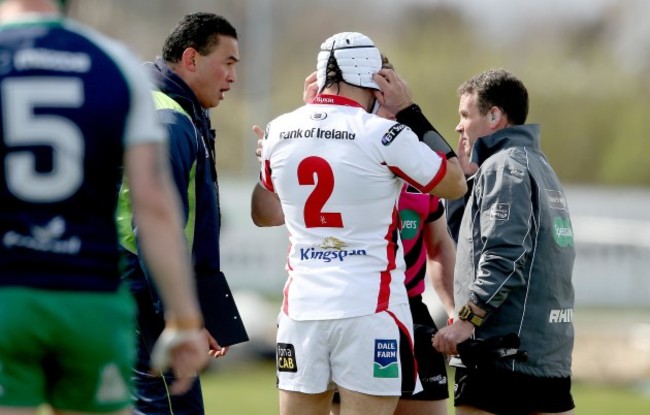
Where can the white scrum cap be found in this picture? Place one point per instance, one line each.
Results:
(356, 55)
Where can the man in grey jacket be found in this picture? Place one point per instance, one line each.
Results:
(515, 258)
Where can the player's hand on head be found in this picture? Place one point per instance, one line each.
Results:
(395, 94)
(184, 351)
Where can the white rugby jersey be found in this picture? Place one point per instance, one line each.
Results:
(338, 172)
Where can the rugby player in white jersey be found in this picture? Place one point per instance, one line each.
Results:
(332, 172)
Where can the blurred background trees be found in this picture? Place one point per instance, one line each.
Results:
(586, 65)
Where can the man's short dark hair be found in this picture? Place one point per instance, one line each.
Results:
(500, 88)
(199, 31)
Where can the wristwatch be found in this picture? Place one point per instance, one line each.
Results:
(467, 314)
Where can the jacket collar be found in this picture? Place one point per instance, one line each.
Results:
(166, 80)
(526, 135)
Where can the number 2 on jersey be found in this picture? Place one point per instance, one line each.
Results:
(313, 214)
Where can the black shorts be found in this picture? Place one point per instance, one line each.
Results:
(511, 393)
(432, 369)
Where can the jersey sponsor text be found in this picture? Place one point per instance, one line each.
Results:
(328, 256)
(386, 363)
(53, 60)
(44, 238)
(392, 133)
(333, 134)
(286, 355)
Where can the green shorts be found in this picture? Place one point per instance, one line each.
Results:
(73, 350)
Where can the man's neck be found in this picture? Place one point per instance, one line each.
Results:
(11, 10)
(363, 96)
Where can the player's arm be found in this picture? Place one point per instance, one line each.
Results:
(453, 184)
(395, 96)
(427, 171)
(413, 118)
(266, 209)
(157, 215)
(441, 258)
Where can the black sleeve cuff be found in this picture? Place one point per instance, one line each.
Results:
(413, 118)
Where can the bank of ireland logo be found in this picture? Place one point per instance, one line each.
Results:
(410, 224)
(562, 231)
(385, 364)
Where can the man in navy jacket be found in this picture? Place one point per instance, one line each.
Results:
(196, 69)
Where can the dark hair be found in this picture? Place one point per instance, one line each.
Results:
(199, 31)
(385, 63)
(333, 73)
(500, 88)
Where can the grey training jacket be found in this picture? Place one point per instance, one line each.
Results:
(516, 251)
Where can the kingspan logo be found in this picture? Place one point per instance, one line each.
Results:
(329, 250)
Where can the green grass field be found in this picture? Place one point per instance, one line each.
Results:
(248, 388)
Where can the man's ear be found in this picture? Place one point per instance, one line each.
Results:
(495, 115)
(188, 59)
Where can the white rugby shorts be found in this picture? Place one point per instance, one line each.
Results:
(370, 354)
